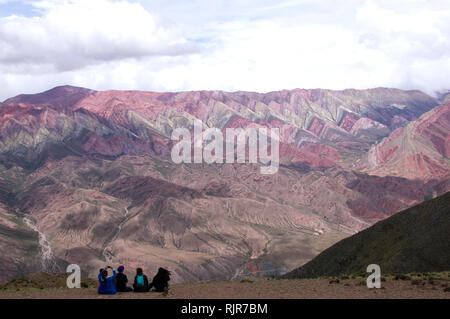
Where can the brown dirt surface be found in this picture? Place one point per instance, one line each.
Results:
(260, 289)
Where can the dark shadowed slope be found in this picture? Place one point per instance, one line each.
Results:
(415, 240)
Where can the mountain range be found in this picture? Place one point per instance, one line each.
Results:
(91, 172)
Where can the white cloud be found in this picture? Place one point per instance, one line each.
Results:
(243, 46)
(73, 34)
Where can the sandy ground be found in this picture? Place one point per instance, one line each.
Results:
(269, 289)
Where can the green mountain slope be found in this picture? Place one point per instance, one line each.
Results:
(415, 240)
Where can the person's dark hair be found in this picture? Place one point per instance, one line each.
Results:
(162, 271)
(139, 271)
(104, 276)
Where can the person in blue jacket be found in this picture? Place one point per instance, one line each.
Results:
(106, 284)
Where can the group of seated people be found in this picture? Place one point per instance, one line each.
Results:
(118, 281)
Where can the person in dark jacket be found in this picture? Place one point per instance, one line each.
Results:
(122, 280)
(161, 281)
(106, 284)
(140, 282)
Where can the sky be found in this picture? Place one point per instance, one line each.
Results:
(231, 45)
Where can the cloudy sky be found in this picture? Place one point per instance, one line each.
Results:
(231, 45)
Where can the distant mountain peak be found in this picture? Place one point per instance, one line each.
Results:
(443, 96)
(61, 96)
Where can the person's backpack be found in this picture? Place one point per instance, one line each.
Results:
(140, 280)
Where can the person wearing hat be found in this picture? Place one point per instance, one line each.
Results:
(122, 280)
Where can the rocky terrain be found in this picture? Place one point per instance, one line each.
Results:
(420, 149)
(92, 172)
